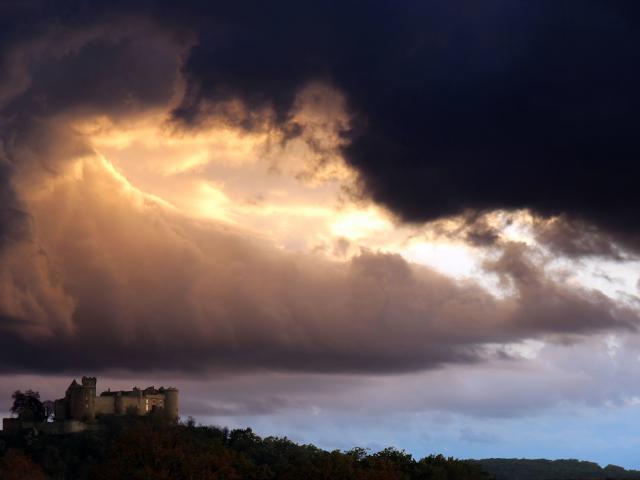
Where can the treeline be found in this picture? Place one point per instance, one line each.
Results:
(151, 449)
(522, 469)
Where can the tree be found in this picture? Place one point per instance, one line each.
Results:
(28, 406)
(15, 465)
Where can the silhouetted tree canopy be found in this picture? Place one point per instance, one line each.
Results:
(15, 465)
(151, 448)
(28, 406)
(541, 469)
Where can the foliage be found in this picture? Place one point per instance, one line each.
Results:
(15, 465)
(28, 406)
(540, 469)
(149, 448)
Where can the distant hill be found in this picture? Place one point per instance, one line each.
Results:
(522, 469)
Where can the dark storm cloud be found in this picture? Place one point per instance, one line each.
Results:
(458, 105)
(14, 221)
(103, 66)
(575, 238)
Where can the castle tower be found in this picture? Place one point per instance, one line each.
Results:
(171, 403)
(82, 399)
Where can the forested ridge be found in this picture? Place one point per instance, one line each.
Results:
(146, 448)
(151, 448)
(541, 469)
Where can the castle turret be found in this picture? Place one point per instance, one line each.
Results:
(171, 403)
(82, 399)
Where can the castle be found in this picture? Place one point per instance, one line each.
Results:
(81, 403)
(81, 409)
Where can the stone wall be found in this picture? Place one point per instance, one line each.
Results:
(105, 405)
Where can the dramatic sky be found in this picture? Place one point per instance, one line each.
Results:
(351, 223)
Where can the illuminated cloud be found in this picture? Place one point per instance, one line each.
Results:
(149, 287)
